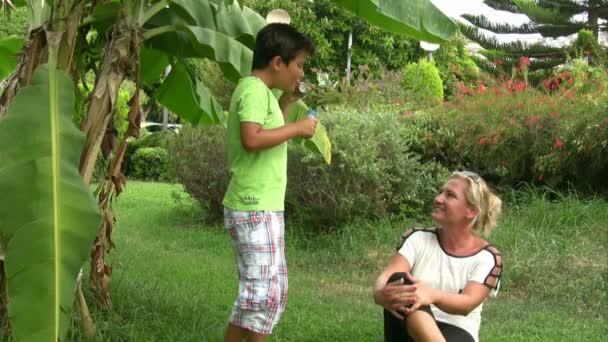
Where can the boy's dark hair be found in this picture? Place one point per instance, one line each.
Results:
(281, 40)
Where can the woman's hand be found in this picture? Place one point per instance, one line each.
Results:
(423, 295)
(395, 296)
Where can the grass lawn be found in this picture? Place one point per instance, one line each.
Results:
(174, 278)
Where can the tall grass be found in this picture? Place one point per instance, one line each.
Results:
(175, 278)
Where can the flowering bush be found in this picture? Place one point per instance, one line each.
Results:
(511, 132)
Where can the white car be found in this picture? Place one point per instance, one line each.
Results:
(153, 127)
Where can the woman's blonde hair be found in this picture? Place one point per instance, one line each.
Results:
(478, 195)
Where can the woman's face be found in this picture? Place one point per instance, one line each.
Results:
(450, 206)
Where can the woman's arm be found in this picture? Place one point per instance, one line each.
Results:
(462, 303)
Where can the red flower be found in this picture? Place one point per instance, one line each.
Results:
(482, 141)
(532, 120)
(559, 144)
(524, 62)
(539, 178)
(570, 94)
(465, 90)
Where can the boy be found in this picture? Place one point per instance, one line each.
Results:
(257, 158)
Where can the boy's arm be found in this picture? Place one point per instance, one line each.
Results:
(255, 138)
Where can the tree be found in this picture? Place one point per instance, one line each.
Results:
(329, 25)
(48, 215)
(549, 18)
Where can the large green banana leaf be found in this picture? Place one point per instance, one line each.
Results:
(233, 57)
(242, 24)
(419, 19)
(320, 141)
(48, 216)
(197, 12)
(189, 98)
(231, 19)
(152, 64)
(104, 15)
(9, 51)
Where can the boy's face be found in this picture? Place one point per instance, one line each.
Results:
(290, 75)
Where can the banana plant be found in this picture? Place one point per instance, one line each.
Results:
(46, 210)
(48, 216)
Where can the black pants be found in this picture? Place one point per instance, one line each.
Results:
(395, 330)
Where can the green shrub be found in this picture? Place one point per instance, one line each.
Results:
(198, 160)
(422, 80)
(150, 163)
(146, 140)
(373, 172)
(385, 86)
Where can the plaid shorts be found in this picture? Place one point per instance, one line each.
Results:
(258, 238)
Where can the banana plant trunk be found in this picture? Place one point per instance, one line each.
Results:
(120, 61)
(33, 51)
(116, 64)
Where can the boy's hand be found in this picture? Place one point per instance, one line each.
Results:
(307, 127)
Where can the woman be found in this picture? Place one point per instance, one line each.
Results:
(435, 285)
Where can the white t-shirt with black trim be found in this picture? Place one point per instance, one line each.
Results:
(432, 265)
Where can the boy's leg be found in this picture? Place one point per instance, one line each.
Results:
(234, 333)
(258, 239)
(237, 334)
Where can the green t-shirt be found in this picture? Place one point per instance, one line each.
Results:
(257, 179)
